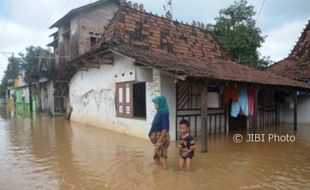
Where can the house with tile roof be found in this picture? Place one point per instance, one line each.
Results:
(297, 66)
(77, 32)
(142, 55)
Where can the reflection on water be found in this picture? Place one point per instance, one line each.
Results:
(40, 152)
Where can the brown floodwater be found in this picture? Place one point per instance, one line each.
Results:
(40, 152)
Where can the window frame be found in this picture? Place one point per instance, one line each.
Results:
(124, 103)
(92, 40)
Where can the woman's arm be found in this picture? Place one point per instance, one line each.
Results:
(165, 126)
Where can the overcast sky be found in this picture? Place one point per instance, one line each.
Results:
(24, 23)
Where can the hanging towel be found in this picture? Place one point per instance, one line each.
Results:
(235, 109)
(230, 94)
(234, 94)
(251, 95)
(242, 104)
(226, 96)
(243, 100)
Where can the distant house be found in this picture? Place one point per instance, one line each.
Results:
(142, 55)
(22, 94)
(77, 32)
(297, 66)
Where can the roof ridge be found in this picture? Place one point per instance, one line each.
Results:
(126, 7)
(303, 33)
(167, 19)
(78, 9)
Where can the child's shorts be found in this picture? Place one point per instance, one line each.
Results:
(189, 155)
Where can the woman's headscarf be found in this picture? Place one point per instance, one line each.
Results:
(162, 103)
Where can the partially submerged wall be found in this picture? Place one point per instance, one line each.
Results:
(303, 111)
(92, 95)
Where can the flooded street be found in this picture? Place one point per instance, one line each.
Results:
(50, 153)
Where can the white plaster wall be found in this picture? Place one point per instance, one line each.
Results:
(303, 112)
(26, 94)
(46, 94)
(168, 89)
(42, 99)
(22, 81)
(92, 96)
(144, 74)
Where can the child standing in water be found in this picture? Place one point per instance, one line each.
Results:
(187, 146)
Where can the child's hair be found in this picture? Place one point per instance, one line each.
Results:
(184, 122)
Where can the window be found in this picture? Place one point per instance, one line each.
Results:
(139, 100)
(93, 42)
(131, 100)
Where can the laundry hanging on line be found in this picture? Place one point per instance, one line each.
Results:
(230, 94)
(251, 97)
(241, 104)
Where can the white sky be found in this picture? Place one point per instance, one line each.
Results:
(24, 23)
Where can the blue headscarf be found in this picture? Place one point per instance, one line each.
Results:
(162, 104)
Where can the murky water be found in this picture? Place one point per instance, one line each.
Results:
(51, 153)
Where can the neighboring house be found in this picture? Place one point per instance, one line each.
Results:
(297, 66)
(77, 33)
(22, 95)
(10, 95)
(80, 29)
(43, 85)
(142, 56)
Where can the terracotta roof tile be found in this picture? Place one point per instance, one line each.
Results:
(177, 48)
(148, 31)
(297, 64)
(198, 68)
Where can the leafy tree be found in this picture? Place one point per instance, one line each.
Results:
(28, 63)
(31, 61)
(235, 29)
(10, 74)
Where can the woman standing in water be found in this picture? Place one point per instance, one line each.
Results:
(159, 133)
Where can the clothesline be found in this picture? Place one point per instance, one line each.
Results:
(242, 101)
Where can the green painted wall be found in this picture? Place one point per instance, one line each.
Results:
(21, 106)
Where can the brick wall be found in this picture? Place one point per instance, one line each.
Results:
(92, 24)
(84, 25)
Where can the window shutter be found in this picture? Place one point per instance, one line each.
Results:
(124, 100)
(120, 100)
(128, 100)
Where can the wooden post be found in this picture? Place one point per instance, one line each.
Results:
(176, 110)
(30, 98)
(255, 111)
(277, 122)
(204, 118)
(227, 117)
(264, 109)
(295, 110)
